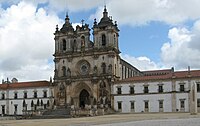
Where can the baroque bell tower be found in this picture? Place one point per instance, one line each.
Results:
(85, 70)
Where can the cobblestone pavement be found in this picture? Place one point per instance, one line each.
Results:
(166, 122)
(169, 119)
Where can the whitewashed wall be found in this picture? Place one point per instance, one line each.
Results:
(19, 101)
(153, 96)
(139, 87)
(180, 96)
(139, 102)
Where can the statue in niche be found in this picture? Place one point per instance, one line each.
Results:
(106, 100)
(94, 101)
(95, 70)
(74, 46)
(68, 72)
(110, 68)
(62, 90)
(101, 101)
(102, 89)
(102, 84)
(83, 43)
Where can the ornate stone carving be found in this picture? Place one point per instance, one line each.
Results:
(96, 56)
(95, 70)
(83, 67)
(68, 72)
(110, 68)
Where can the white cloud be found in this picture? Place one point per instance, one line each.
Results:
(26, 41)
(74, 5)
(184, 48)
(142, 63)
(132, 12)
(141, 12)
(61, 5)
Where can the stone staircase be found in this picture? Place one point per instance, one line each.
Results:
(60, 112)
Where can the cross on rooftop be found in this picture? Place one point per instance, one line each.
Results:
(82, 21)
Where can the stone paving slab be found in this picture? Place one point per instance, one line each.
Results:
(166, 122)
(109, 120)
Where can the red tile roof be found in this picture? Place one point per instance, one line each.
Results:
(157, 72)
(177, 75)
(24, 85)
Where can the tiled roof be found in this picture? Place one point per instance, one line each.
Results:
(24, 85)
(177, 75)
(154, 72)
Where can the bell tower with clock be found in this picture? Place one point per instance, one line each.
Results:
(85, 70)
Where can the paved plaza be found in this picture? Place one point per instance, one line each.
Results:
(165, 122)
(171, 119)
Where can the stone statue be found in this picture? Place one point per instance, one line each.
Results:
(62, 90)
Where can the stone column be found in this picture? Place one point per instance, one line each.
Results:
(193, 99)
(173, 97)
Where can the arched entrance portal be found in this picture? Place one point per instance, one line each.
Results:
(83, 98)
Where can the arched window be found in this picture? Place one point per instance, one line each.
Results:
(64, 70)
(103, 40)
(103, 68)
(64, 45)
(83, 41)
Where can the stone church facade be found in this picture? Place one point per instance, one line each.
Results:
(86, 70)
(92, 73)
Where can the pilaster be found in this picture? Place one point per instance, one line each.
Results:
(173, 98)
(193, 98)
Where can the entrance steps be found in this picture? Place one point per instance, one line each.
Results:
(60, 112)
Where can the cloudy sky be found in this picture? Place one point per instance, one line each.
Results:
(154, 34)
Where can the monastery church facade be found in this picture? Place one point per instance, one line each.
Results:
(93, 73)
(85, 71)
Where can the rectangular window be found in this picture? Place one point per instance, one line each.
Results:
(15, 109)
(35, 94)
(198, 87)
(198, 102)
(2, 96)
(119, 90)
(45, 94)
(160, 88)
(119, 105)
(25, 94)
(15, 95)
(146, 89)
(146, 104)
(161, 104)
(182, 102)
(132, 105)
(182, 88)
(3, 109)
(132, 90)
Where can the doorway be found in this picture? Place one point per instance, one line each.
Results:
(83, 98)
